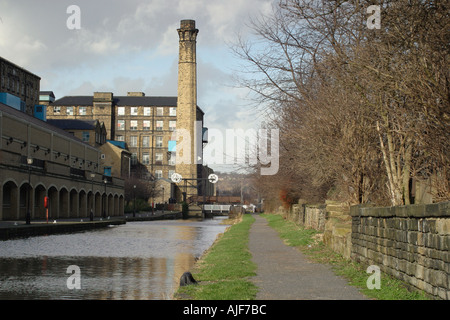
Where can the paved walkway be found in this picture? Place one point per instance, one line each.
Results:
(284, 273)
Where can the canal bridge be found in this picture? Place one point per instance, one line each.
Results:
(217, 209)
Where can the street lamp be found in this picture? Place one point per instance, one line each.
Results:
(134, 201)
(28, 215)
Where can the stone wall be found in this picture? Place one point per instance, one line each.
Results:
(332, 218)
(338, 228)
(309, 216)
(411, 243)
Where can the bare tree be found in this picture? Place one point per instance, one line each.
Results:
(361, 110)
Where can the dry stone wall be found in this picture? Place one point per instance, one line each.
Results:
(411, 243)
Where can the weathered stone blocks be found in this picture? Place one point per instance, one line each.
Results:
(411, 243)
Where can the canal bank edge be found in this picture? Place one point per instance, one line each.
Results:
(13, 231)
(221, 272)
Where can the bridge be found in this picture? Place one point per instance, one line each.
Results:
(209, 210)
(217, 209)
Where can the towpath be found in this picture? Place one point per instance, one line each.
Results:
(284, 273)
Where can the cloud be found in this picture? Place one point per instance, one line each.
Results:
(131, 46)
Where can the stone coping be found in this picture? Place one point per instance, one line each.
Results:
(441, 209)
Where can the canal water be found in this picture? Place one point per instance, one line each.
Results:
(136, 261)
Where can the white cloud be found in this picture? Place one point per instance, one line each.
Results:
(131, 46)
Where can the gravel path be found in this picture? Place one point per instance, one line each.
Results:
(284, 273)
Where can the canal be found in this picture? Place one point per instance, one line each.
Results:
(136, 261)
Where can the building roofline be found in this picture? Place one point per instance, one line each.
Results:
(22, 116)
(19, 67)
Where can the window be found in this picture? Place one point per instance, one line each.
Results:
(120, 138)
(172, 111)
(83, 111)
(158, 158)
(172, 125)
(171, 172)
(121, 111)
(159, 111)
(56, 110)
(159, 141)
(133, 141)
(85, 136)
(159, 125)
(158, 174)
(134, 159)
(145, 158)
(69, 111)
(145, 141)
(121, 125)
(107, 171)
(133, 125)
(134, 111)
(172, 157)
(147, 111)
(146, 125)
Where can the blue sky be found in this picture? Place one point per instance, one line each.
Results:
(133, 46)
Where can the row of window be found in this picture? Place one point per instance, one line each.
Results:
(145, 141)
(121, 111)
(85, 136)
(82, 111)
(134, 111)
(158, 159)
(14, 85)
(159, 174)
(135, 124)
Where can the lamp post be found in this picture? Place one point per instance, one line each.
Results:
(106, 198)
(28, 214)
(134, 201)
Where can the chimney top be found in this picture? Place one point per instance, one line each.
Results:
(187, 24)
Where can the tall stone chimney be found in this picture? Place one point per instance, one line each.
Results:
(186, 154)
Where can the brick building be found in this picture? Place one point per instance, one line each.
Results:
(163, 134)
(19, 88)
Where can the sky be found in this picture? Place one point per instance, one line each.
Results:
(132, 45)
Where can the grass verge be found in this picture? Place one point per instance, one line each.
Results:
(355, 273)
(223, 272)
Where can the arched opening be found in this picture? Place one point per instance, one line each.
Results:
(53, 203)
(121, 205)
(25, 200)
(73, 204)
(98, 205)
(39, 208)
(110, 208)
(82, 204)
(116, 205)
(90, 202)
(10, 201)
(104, 210)
(63, 203)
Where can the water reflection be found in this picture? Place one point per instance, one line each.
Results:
(139, 260)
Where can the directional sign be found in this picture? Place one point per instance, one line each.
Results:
(176, 177)
(213, 178)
